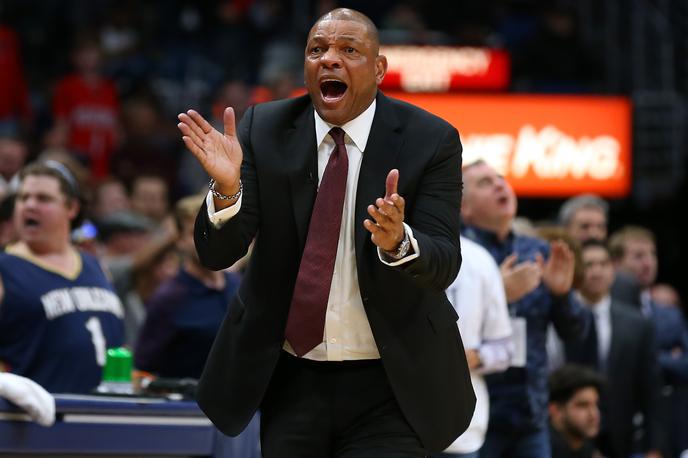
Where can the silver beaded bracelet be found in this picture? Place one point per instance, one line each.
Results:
(218, 195)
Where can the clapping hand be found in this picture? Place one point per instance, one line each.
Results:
(219, 153)
(520, 279)
(559, 269)
(387, 226)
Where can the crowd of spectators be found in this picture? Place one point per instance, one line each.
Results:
(96, 87)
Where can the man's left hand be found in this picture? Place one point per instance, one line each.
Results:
(386, 227)
(559, 269)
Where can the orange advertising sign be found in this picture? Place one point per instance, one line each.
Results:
(445, 68)
(545, 146)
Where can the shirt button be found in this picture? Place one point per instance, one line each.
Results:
(333, 340)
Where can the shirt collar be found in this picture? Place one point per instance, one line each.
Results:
(600, 308)
(485, 236)
(358, 129)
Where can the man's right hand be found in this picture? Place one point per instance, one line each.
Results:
(520, 279)
(219, 154)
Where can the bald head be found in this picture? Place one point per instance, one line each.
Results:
(346, 14)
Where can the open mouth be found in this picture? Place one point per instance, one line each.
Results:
(332, 90)
(31, 222)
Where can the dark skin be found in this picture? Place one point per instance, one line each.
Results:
(342, 52)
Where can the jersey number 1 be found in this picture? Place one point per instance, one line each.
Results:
(98, 339)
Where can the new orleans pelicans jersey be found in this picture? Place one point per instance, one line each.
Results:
(55, 329)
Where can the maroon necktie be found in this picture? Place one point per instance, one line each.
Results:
(306, 321)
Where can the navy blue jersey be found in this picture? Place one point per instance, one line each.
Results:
(55, 330)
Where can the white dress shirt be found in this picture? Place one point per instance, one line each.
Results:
(478, 296)
(347, 334)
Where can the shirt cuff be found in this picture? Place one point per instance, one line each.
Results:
(495, 355)
(410, 257)
(219, 218)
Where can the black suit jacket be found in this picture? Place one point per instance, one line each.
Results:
(633, 381)
(413, 323)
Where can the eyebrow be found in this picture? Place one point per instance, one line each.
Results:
(352, 38)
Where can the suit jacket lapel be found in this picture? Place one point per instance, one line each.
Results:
(303, 175)
(379, 157)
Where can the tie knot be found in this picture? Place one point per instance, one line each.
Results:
(337, 135)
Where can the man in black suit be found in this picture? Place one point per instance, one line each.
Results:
(385, 374)
(620, 343)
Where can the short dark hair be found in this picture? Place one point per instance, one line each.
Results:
(566, 381)
(595, 244)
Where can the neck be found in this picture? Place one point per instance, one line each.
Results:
(501, 230)
(91, 77)
(210, 278)
(572, 440)
(592, 298)
(54, 247)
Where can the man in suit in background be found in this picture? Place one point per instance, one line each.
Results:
(341, 331)
(634, 252)
(619, 343)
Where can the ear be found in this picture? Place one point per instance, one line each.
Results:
(554, 410)
(380, 68)
(73, 207)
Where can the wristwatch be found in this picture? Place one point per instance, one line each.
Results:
(403, 248)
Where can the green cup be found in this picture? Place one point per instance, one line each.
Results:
(118, 364)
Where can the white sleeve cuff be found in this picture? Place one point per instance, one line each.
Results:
(495, 355)
(221, 217)
(410, 257)
(30, 396)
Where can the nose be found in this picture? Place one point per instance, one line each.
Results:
(331, 59)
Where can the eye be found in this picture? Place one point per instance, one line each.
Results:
(316, 50)
(349, 50)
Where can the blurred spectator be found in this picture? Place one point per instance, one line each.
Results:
(109, 196)
(150, 197)
(15, 110)
(554, 233)
(8, 232)
(537, 293)
(634, 252)
(664, 293)
(186, 311)
(621, 345)
(13, 154)
(574, 413)
(555, 349)
(86, 110)
(585, 217)
(59, 312)
(403, 24)
(555, 60)
(523, 226)
(232, 93)
(478, 296)
(138, 260)
(148, 146)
